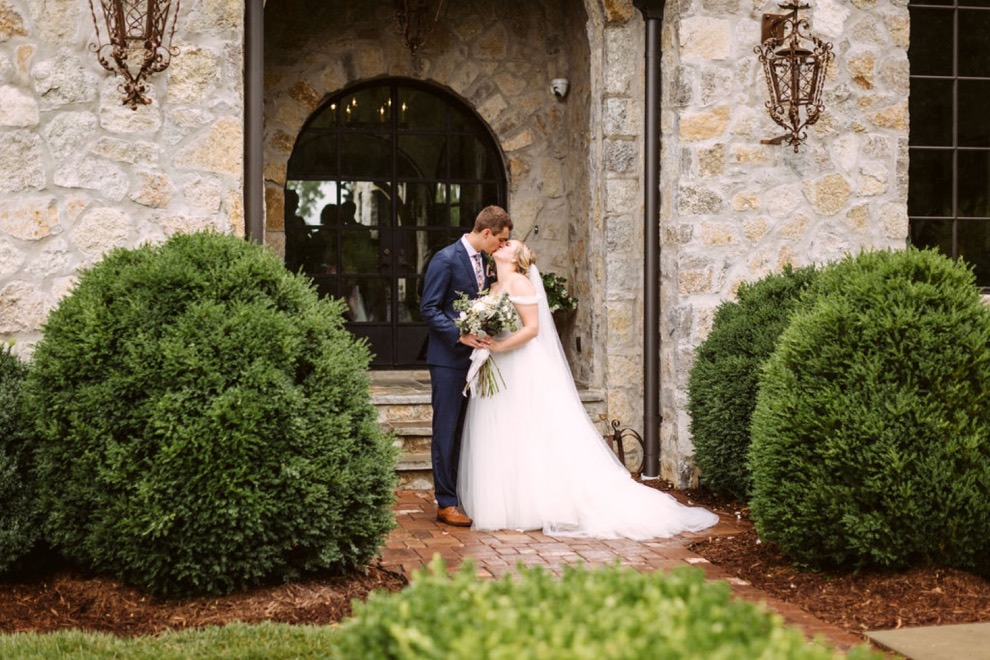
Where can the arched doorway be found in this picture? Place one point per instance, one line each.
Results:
(383, 175)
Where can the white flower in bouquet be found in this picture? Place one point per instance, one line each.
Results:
(485, 316)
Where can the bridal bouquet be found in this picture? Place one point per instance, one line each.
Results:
(484, 316)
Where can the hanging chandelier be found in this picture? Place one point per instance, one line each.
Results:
(138, 42)
(795, 64)
(413, 20)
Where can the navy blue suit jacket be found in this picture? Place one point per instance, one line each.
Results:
(449, 274)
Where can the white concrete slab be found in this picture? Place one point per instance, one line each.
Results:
(969, 641)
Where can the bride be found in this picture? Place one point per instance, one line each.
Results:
(531, 458)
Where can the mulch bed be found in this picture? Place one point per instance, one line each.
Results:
(65, 600)
(856, 602)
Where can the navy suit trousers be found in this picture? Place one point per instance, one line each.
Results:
(449, 406)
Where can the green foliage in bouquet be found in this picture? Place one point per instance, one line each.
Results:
(20, 521)
(611, 612)
(871, 435)
(206, 422)
(558, 296)
(725, 376)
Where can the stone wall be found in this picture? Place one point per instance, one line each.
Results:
(734, 209)
(80, 173)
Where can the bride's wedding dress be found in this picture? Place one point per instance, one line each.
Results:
(532, 459)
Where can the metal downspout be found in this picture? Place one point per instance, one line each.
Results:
(652, 11)
(254, 84)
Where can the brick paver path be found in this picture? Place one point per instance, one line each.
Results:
(419, 537)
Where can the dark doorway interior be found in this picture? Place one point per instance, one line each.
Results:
(382, 176)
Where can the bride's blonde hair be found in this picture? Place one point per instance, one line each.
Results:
(524, 258)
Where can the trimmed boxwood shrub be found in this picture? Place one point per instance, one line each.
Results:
(206, 422)
(610, 612)
(725, 376)
(871, 435)
(20, 523)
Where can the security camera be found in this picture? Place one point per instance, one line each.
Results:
(559, 87)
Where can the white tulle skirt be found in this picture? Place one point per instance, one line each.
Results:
(532, 459)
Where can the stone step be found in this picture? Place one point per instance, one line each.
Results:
(402, 399)
(415, 470)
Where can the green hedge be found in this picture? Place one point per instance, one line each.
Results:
(611, 612)
(206, 422)
(871, 435)
(725, 376)
(20, 522)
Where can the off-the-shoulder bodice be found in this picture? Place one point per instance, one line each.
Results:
(524, 300)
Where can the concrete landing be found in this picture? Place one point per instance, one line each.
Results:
(970, 641)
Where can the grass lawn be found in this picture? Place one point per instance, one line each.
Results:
(237, 640)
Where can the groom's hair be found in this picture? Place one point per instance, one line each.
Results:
(493, 218)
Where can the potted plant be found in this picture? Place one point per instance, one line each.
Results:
(558, 297)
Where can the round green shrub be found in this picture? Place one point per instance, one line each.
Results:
(871, 435)
(725, 376)
(20, 522)
(610, 612)
(206, 422)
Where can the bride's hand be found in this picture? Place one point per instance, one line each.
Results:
(475, 341)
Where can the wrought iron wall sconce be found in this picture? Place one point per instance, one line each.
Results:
(623, 440)
(413, 22)
(795, 63)
(139, 42)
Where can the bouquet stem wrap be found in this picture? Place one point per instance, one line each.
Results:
(483, 375)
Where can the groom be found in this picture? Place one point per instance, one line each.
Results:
(458, 268)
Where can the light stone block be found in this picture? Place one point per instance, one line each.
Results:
(22, 164)
(829, 18)
(96, 174)
(99, 230)
(697, 200)
(62, 80)
(747, 201)
(11, 258)
(705, 38)
(126, 151)
(68, 133)
(54, 259)
(17, 108)
(894, 221)
(202, 193)
(11, 22)
(705, 125)
(217, 149)
(194, 75)
(116, 117)
(22, 307)
(720, 233)
(829, 194)
(60, 21)
(155, 189)
(756, 228)
(894, 117)
(29, 219)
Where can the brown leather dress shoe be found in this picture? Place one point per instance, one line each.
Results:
(452, 516)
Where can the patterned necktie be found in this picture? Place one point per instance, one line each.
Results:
(478, 273)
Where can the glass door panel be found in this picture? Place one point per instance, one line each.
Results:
(370, 199)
